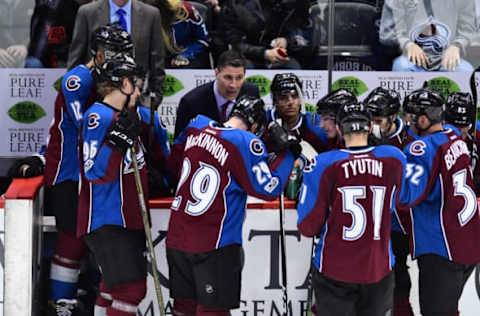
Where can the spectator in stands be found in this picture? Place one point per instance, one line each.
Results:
(214, 27)
(140, 20)
(270, 33)
(13, 56)
(214, 4)
(51, 29)
(432, 35)
(14, 17)
(189, 35)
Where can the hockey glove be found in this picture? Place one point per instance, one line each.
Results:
(278, 136)
(282, 139)
(295, 147)
(125, 131)
(28, 167)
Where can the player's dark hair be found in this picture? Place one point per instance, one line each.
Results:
(231, 58)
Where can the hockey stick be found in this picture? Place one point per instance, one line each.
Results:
(310, 275)
(473, 128)
(283, 254)
(148, 233)
(473, 89)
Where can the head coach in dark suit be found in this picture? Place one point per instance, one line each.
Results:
(215, 99)
(141, 21)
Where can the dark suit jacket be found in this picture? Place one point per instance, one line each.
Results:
(145, 31)
(201, 100)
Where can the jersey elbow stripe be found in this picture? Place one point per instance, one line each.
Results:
(442, 204)
(60, 133)
(225, 208)
(120, 171)
(90, 202)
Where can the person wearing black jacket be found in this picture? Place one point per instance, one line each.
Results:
(215, 99)
(51, 29)
(270, 33)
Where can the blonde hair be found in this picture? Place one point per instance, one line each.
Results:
(105, 88)
(171, 11)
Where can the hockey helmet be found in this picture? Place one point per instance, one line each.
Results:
(114, 70)
(285, 83)
(459, 109)
(383, 102)
(425, 101)
(251, 110)
(354, 117)
(330, 103)
(112, 39)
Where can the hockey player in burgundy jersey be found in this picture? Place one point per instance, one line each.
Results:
(220, 165)
(459, 112)
(327, 108)
(346, 199)
(286, 90)
(445, 222)
(109, 214)
(384, 105)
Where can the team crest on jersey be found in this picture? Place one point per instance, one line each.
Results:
(256, 147)
(418, 148)
(93, 119)
(73, 83)
(309, 164)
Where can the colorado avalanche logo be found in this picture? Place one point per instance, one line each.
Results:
(309, 164)
(72, 83)
(418, 148)
(256, 147)
(93, 119)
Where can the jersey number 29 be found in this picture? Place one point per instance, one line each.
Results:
(204, 186)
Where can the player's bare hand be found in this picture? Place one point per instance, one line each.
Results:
(279, 42)
(451, 58)
(274, 56)
(180, 61)
(416, 55)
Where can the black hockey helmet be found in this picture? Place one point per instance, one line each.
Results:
(251, 110)
(330, 103)
(122, 66)
(112, 39)
(459, 109)
(354, 117)
(383, 102)
(284, 83)
(425, 101)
